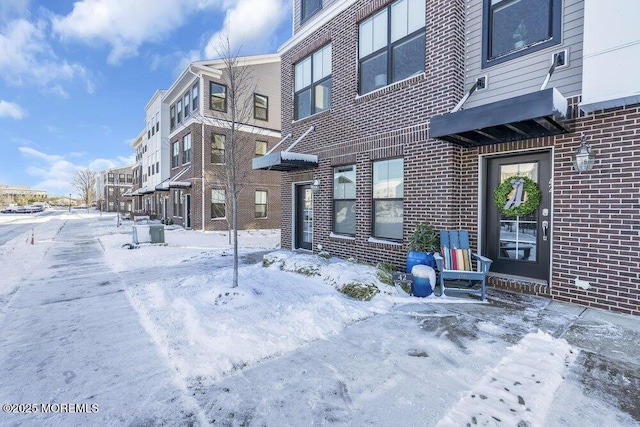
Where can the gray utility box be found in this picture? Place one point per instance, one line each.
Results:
(147, 233)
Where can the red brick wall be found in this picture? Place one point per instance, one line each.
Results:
(255, 180)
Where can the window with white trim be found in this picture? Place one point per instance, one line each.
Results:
(312, 83)
(391, 45)
(175, 159)
(261, 204)
(195, 92)
(218, 202)
(186, 148)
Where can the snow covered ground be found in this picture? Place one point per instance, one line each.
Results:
(284, 348)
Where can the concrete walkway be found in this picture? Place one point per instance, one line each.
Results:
(69, 330)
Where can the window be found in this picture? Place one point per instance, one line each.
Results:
(187, 104)
(129, 178)
(217, 203)
(218, 99)
(195, 90)
(157, 122)
(111, 177)
(179, 110)
(512, 28)
(387, 199)
(261, 204)
(261, 148)
(176, 201)
(172, 116)
(260, 107)
(344, 200)
(176, 154)
(217, 148)
(313, 83)
(309, 7)
(121, 177)
(392, 45)
(186, 148)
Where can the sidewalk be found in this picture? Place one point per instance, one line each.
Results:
(66, 346)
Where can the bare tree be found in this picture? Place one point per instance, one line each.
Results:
(239, 143)
(84, 181)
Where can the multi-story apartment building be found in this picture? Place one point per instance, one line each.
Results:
(139, 147)
(199, 120)
(410, 110)
(113, 189)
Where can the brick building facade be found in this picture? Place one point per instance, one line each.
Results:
(196, 194)
(453, 141)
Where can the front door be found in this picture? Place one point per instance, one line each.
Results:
(519, 245)
(304, 217)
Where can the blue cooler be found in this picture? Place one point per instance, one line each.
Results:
(424, 278)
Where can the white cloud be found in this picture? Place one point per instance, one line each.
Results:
(26, 57)
(250, 24)
(12, 110)
(124, 24)
(56, 172)
(11, 8)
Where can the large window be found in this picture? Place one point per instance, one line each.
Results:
(217, 203)
(217, 148)
(261, 204)
(392, 45)
(388, 190)
(309, 7)
(344, 200)
(512, 28)
(186, 148)
(218, 99)
(176, 154)
(260, 107)
(313, 83)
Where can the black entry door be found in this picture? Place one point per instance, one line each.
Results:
(304, 217)
(519, 245)
(187, 212)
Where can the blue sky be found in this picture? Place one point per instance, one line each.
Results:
(75, 76)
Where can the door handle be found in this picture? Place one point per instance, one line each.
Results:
(545, 230)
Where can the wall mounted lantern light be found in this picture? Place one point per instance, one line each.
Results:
(584, 158)
(315, 187)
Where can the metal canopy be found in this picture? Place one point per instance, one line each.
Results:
(284, 161)
(534, 115)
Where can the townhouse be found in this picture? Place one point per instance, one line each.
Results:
(199, 116)
(458, 112)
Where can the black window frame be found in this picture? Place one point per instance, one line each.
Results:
(172, 116)
(336, 201)
(312, 85)
(374, 201)
(388, 49)
(555, 26)
(306, 13)
(179, 111)
(221, 151)
(186, 104)
(224, 98)
(256, 108)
